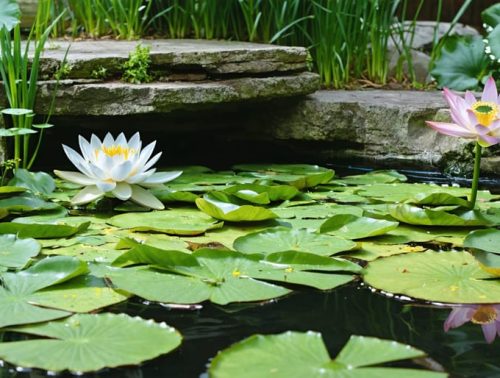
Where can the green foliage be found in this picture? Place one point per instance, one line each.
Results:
(9, 14)
(136, 68)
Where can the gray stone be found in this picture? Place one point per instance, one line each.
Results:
(84, 97)
(171, 56)
(382, 126)
(420, 62)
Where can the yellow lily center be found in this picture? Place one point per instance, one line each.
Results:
(485, 112)
(114, 150)
(484, 315)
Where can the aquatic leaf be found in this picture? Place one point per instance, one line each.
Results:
(47, 216)
(100, 253)
(86, 343)
(10, 13)
(451, 277)
(41, 230)
(26, 202)
(262, 194)
(167, 195)
(433, 217)
(15, 253)
(316, 211)
(486, 240)
(491, 15)
(7, 191)
(173, 221)
(493, 39)
(36, 182)
(285, 239)
(353, 227)
(374, 177)
(296, 354)
(462, 63)
(15, 131)
(299, 175)
(438, 199)
(227, 211)
(19, 289)
(370, 251)
(17, 111)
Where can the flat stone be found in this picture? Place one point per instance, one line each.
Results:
(382, 126)
(212, 57)
(84, 98)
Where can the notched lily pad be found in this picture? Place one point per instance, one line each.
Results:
(353, 227)
(231, 212)
(15, 252)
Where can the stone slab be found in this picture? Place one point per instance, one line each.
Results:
(381, 126)
(84, 98)
(211, 57)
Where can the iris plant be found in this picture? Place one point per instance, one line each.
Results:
(478, 120)
(116, 168)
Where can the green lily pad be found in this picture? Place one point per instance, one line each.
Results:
(26, 202)
(173, 221)
(487, 240)
(374, 177)
(285, 239)
(15, 253)
(493, 39)
(167, 195)
(10, 14)
(36, 182)
(99, 253)
(450, 277)
(296, 354)
(262, 194)
(7, 191)
(20, 289)
(433, 217)
(41, 230)
(462, 63)
(230, 212)
(353, 227)
(316, 211)
(299, 175)
(491, 15)
(438, 199)
(86, 343)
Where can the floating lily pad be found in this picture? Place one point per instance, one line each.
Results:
(296, 354)
(451, 277)
(86, 343)
(374, 177)
(432, 217)
(316, 211)
(285, 239)
(40, 230)
(26, 202)
(7, 191)
(100, 253)
(231, 212)
(353, 227)
(36, 182)
(486, 240)
(20, 288)
(262, 194)
(174, 221)
(15, 253)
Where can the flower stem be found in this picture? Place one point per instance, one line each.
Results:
(475, 177)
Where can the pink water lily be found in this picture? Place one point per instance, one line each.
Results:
(473, 119)
(488, 316)
(116, 168)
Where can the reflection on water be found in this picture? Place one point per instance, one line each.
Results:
(347, 311)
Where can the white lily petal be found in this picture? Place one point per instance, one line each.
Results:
(135, 142)
(87, 194)
(122, 191)
(77, 160)
(106, 186)
(85, 148)
(140, 177)
(95, 143)
(144, 156)
(121, 171)
(75, 177)
(151, 162)
(108, 140)
(145, 198)
(161, 177)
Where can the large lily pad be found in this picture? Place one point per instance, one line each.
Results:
(451, 277)
(486, 240)
(20, 288)
(15, 252)
(353, 227)
(26, 202)
(41, 230)
(174, 221)
(297, 355)
(85, 343)
(434, 217)
(285, 239)
(374, 177)
(262, 194)
(316, 211)
(36, 182)
(231, 212)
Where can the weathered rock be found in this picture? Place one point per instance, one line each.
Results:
(87, 58)
(84, 98)
(380, 126)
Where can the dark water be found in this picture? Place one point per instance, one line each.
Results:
(338, 314)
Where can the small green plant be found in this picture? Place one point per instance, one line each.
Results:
(63, 71)
(100, 73)
(135, 69)
(5, 167)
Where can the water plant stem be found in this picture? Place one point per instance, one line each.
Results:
(475, 177)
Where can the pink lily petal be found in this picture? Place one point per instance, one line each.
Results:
(451, 129)
(458, 316)
(489, 332)
(470, 99)
(487, 140)
(490, 93)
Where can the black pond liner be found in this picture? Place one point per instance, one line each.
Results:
(353, 309)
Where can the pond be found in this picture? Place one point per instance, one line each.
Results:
(258, 249)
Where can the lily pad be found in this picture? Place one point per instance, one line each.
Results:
(86, 343)
(433, 217)
(20, 288)
(262, 194)
(285, 239)
(374, 177)
(36, 182)
(26, 202)
(316, 211)
(231, 212)
(353, 227)
(41, 230)
(296, 354)
(174, 221)
(486, 240)
(450, 277)
(15, 253)
(7, 191)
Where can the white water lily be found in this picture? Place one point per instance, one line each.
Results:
(116, 168)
